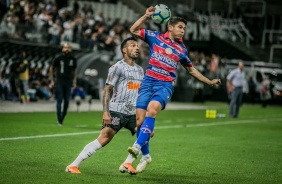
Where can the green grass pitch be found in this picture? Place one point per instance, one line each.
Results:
(187, 148)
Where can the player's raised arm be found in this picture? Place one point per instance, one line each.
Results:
(195, 73)
(135, 28)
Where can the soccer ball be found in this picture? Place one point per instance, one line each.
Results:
(162, 14)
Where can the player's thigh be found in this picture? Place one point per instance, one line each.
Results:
(117, 121)
(163, 95)
(130, 123)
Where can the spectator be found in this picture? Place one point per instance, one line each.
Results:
(236, 80)
(265, 95)
(24, 76)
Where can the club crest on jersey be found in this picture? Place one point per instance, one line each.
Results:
(168, 50)
(146, 130)
(115, 121)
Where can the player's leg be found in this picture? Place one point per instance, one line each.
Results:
(147, 128)
(106, 135)
(67, 95)
(126, 166)
(158, 102)
(145, 160)
(91, 148)
(59, 100)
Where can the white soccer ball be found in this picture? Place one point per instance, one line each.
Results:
(162, 14)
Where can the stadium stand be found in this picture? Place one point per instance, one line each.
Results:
(216, 29)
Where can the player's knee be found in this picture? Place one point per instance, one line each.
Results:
(152, 112)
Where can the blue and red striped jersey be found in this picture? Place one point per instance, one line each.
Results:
(165, 54)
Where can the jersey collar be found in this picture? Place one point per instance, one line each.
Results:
(166, 36)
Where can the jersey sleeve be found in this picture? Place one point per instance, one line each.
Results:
(113, 75)
(148, 36)
(186, 61)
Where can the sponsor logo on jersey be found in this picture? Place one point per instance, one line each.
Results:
(115, 120)
(133, 86)
(159, 70)
(164, 59)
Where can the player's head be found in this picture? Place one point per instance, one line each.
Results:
(66, 48)
(176, 27)
(129, 48)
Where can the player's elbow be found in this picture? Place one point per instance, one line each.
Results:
(134, 31)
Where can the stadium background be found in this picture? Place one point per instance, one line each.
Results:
(219, 33)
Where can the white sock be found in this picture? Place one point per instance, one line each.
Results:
(87, 152)
(146, 156)
(129, 159)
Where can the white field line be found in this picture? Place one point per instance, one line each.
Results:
(159, 127)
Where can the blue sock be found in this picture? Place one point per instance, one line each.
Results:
(145, 148)
(145, 131)
(137, 133)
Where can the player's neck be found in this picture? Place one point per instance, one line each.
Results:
(129, 61)
(172, 37)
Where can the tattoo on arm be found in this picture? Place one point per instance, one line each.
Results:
(106, 97)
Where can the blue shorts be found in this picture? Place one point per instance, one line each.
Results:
(153, 89)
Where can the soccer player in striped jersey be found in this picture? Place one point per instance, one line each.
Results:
(166, 52)
(124, 80)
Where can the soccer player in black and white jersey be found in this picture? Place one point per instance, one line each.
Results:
(124, 80)
(63, 71)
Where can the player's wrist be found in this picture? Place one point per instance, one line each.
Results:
(146, 16)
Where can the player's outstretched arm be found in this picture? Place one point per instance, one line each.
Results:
(195, 73)
(135, 28)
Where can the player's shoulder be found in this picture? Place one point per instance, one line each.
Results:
(118, 64)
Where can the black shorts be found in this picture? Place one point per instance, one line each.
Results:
(120, 120)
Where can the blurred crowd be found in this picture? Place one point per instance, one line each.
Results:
(48, 22)
(42, 21)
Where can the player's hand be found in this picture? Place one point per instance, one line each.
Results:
(106, 118)
(215, 82)
(150, 11)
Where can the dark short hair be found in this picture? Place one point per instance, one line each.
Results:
(174, 20)
(124, 42)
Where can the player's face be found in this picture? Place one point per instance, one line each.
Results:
(132, 49)
(178, 30)
(66, 48)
